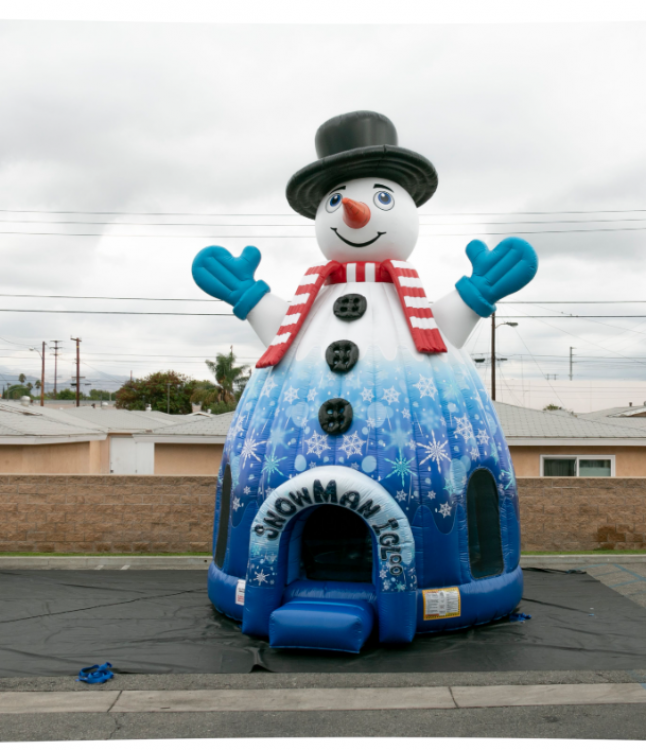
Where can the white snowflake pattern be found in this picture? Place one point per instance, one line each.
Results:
(354, 466)
(291, 394)
(247, 490)
(464, 427)
(483, 437)
(426, 387)
(475, 454)
(268, 386)
(312, 394)
(236, 503)
(406, 413)
(444, 510)
(435, 451)
(431, 495)
(249, 448)
(261, 577)
(401, 496)
(352, 444)
(383, 574)
(367, 395)
(317, 444)
(391, 395)
(371, 422)
(411, 444)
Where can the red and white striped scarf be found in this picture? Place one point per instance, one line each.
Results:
(423, 328)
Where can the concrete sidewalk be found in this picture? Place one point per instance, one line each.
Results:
(595, 705)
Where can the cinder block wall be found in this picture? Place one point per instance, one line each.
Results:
(568, 513)
(105, 513)
(108, 513)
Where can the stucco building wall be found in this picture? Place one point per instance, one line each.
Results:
(197, 459)
(630, 461)
(88, 457)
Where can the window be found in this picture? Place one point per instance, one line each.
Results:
(483, 519)
(223, 522)
(577, 466)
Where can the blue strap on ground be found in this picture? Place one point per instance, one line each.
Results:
(96, 674)
(519, 617)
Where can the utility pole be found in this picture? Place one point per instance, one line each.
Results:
(56, 347)
(167, 398)
(513, 324)
(42, 379)
(571, 348)
(78, 370)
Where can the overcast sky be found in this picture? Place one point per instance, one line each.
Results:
(213, 120)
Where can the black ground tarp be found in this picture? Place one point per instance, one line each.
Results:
(156, 622)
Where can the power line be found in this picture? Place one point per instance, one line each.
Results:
(198, 213)
(231, 315)
(197, 299)
(202, 224)
(302, 237)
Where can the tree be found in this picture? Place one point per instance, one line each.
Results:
(230, 382)
(66, 394)
(38, 385)
(22, 377)
(160, 390)
(16, 391)
(99, 395)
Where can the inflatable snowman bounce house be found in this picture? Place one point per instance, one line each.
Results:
(365, 482)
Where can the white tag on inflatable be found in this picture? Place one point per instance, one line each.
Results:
(441, 603)
(240, 592)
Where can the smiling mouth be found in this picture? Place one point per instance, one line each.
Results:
(357, 244)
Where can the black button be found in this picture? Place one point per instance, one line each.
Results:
(350, 306)
(335, 416)
(342, 356)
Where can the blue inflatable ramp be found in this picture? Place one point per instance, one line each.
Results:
(321, 624)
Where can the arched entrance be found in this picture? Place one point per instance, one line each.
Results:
(336, 545)
(290, 534)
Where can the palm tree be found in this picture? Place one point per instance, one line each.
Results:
(230, 381)
(38, 385)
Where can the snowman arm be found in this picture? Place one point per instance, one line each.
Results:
(267, 316)
(454, 318)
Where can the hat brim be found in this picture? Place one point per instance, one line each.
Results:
(413, 172)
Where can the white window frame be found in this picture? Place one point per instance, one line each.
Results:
(578, 457)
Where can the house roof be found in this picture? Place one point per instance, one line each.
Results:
(110, 420)
(529, 426)
(617, 411)
(21, 425)
(212, 429)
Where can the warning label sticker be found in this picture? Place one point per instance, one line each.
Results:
(240, 592)
(441, 603)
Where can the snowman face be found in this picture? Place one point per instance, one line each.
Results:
(369, 219)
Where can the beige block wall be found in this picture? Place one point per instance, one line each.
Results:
(80, 513)
(197, 459)
(59, 513)
(582, 513)
(630, 461)
(88, 457)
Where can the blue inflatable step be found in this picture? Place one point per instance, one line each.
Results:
(321, 624)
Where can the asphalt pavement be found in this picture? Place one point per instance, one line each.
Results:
(574, 705)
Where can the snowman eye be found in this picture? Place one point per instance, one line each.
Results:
(384, 200)
(333, 202)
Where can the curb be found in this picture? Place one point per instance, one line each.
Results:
(141, 562)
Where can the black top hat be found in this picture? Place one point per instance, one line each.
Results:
(359, 144)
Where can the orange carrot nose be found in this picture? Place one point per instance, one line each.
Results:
(355, 215)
